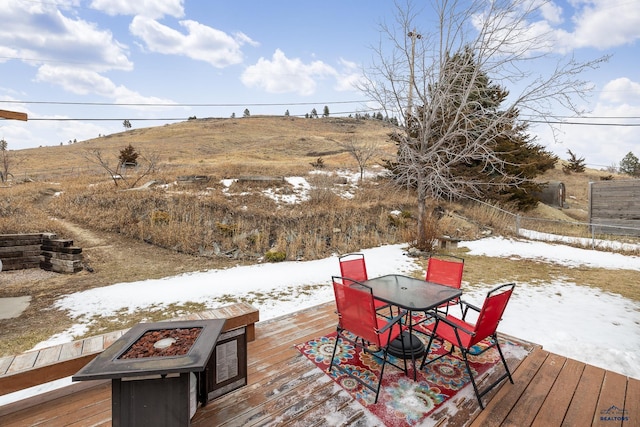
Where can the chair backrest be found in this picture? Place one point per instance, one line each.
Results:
(353, 266)
(445, 271)
(491, 312)
(356, 309)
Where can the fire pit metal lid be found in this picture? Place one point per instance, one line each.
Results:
(107, 365)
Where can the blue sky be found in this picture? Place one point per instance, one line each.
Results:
(234, 55)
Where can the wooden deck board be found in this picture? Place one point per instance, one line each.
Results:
(64, 410)
(534, 395)
(632, 404)
(48, 355)
(582, 409)
(286, 389)
(5, 362)
(612, 394)
(557, 401)
(23, 361)
(509, 394)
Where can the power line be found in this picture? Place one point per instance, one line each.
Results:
(284, 104)
(115, 104)
(584, 123)
(89, 119)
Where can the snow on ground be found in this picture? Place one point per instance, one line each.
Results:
(575, 321)
(578, 322)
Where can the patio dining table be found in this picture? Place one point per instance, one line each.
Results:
(413, 295)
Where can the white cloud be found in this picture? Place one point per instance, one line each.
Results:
(284, 75)
(551, 12)
(622, 90)
(83, 82)
(604, 24)
(601, 146)
(201, 42)
(349, 77)
(148, 8)
(58, 38)
(600, 24)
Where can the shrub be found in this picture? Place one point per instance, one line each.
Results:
(275, 256)
(160, 217)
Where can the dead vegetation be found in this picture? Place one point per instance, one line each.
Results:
(169, 226)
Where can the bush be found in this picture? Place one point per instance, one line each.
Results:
(275, 256)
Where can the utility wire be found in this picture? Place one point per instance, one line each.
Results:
(89, 119)
(114, 104)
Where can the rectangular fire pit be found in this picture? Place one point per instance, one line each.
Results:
(155, 368)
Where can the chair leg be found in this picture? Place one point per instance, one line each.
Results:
(504, 361)
(507, 374)
(384, 362)
(428, 349)
(333, 355)
(473, 381)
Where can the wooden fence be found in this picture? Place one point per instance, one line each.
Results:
(614, 207)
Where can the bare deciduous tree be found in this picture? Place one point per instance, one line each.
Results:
(362, 152)
(145, 166)
(7, 161)
(443, 123)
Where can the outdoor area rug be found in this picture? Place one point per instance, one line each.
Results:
(402, 401)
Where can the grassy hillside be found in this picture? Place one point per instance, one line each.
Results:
(278, 145)
(174, 227)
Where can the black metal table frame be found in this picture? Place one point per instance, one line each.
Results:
(411, 294)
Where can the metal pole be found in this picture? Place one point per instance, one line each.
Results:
(413, 36)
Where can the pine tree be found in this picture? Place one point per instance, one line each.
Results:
(128, 156)
(472, 105)
(575, 163)
(630, 165)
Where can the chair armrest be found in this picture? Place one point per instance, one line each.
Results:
(445, 319)
(468, 306)
(393, 321)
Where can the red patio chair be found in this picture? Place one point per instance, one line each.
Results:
(354, 267)
(446, 271)
(465, 335)
(357, 316)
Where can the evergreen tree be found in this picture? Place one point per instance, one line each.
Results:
(325, 112)
(246, 113)
(630, 165)
(575, 163)
(128, 156)
(471, 109)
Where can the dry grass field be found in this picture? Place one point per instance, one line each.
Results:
(173, 226)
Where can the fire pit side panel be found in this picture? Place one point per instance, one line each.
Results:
(160, 402)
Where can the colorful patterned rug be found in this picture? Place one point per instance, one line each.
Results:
(402, 401)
